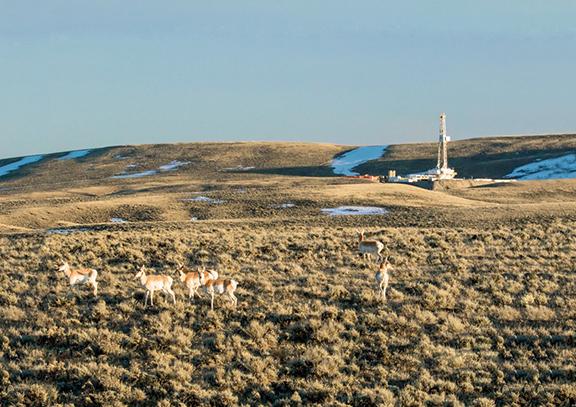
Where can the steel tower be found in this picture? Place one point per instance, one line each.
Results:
(443, 145)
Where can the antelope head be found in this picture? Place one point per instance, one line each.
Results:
(201, 274)
(65, 266)
(385, 264)
(141, 272)
(182, 275)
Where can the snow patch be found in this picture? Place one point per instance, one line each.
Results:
(118, 220)
(74, 154)
(67, 231)
(354, 210)
(135, 175)
(286, 205)
(173, 165)
(204, 199)
(553, 168)
(343, 164)
(239, 168)
(7, 169)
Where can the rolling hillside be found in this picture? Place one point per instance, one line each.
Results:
(124, 164)
(492, 157)
(167, 183)
(480, 308)
(489, 157)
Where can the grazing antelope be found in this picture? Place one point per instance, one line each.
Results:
(370, 247)
(382, 277)
(153, 283)
(221, 286)
(195, 279)
(80, 276)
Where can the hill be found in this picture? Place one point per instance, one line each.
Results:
(490, 157)
(486, 157)
(123, 164)
(480, 308)
(129, 185)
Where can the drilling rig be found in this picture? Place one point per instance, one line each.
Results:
(442, 171)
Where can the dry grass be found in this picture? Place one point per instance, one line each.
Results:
(474, 317)
(260, 198)
(480, 307)
(205, 160)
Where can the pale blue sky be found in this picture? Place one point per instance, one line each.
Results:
(87, 73)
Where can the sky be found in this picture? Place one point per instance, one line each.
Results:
(88, 73)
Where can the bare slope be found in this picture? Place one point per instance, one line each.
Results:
(202, 160)
(482, 157)
(254, 181)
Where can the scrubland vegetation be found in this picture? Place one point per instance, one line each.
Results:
(474, 316)
(480, 309)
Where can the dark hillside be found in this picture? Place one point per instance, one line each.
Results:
(490, 157)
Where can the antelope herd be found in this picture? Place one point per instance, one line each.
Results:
(210, 282)
(193, 280)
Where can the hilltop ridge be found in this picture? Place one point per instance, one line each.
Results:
(491, 157)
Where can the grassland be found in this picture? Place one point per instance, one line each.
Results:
(473, 316)
(480, 308)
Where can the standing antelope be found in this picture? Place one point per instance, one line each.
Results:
(80, 276)
(370, 247)
(221, 286)
(382, 277)
(194, 279)
(153, 283)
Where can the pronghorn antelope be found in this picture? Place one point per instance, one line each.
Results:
(194, 279)
(370, 247)
(382, 277)
(153, 283)
(221, 286)
(80, 276)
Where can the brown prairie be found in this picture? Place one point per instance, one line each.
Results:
(480, 310)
